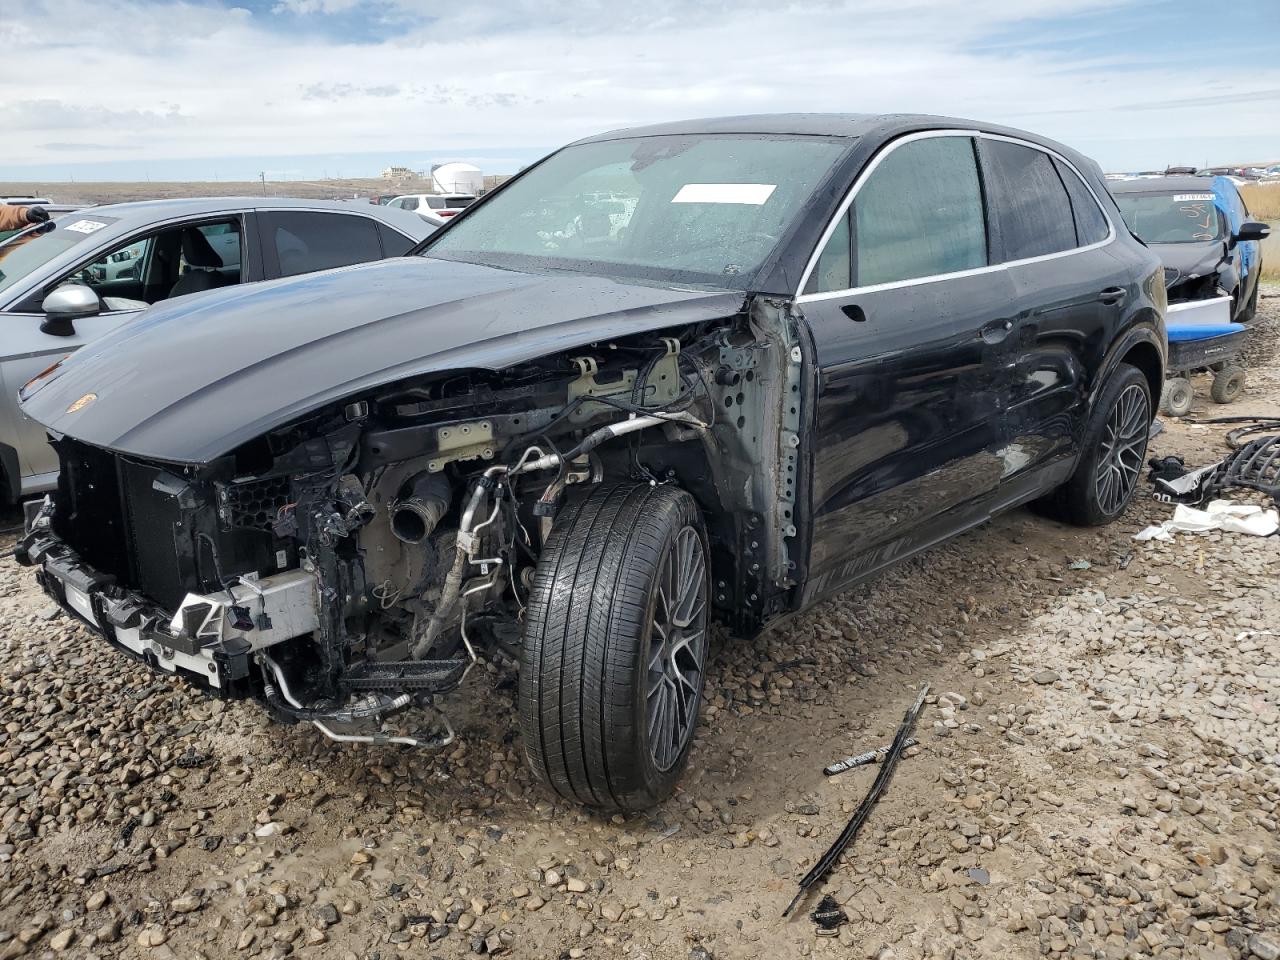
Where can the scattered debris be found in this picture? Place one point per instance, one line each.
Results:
(828, 915)
(1253, 466)
(1249, 427)
(862, 759)
(193, 758)
(850, 832)
(1218, 515)
(1079, 565)
(979, 876)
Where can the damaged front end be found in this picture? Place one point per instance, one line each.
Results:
(362, 559)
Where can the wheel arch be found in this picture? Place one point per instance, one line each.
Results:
(1142, 344)
(695, 469)
(1146, 357)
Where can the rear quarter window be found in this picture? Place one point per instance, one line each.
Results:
(1028, 200)
(394, 243)
(1091, 223)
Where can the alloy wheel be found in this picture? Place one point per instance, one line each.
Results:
(1121, 450)
(677, 649)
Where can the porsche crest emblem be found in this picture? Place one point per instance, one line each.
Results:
(83, 402)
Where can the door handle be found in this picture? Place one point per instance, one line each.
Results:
(1113, 295)
(996, 330)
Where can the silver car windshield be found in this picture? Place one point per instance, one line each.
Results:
(706, 209)
(22, 255)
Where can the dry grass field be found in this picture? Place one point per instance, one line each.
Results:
(1264, 203)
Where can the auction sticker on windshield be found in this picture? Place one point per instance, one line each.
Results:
(1183, 197)
(85, 226)
(754, 194)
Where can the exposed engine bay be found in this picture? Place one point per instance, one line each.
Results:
(364, 559)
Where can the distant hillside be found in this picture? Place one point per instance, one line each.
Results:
(158, 190)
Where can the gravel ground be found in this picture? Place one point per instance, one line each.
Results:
(1098, 776)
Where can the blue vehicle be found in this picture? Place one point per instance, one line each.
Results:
(1201, 230)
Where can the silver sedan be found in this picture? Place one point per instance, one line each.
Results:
(65, 282)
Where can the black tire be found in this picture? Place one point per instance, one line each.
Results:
(593, 636)
(1250, 309)
(1085, 499)
(1228, 384)
(1177, 397)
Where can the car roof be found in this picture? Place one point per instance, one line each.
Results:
(141, 212)
(878, 127)
(438, 196)
(850, 125)
(1182, 184)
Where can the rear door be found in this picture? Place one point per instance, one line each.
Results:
(910, 326)
(1069, 293)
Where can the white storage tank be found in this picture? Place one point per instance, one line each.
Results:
(457, 178)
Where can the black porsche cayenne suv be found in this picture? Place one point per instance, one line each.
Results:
(715, 369)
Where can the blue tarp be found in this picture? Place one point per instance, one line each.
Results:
(1227, 199)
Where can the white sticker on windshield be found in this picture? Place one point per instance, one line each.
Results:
(1182, 197)
(85, 226)
(752, 193)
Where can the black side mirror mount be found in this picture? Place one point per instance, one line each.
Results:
(65, 305)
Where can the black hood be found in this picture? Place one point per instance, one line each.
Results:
(191, 380)
(1188, 259)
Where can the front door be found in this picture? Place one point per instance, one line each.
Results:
(127, 278)
(911, 332)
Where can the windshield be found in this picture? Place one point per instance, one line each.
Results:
(1171, 217)
(23, 255)
(673, 209)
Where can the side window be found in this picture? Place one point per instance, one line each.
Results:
(1029, 202)
(305, 242)
(121, 265)
(224, 240)
(1091, 224)
(919, 214)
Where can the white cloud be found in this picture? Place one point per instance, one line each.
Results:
(180, 79)
(304, 7)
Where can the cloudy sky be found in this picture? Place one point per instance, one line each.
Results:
(198, 89)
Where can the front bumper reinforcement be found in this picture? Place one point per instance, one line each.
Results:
(209, 640)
